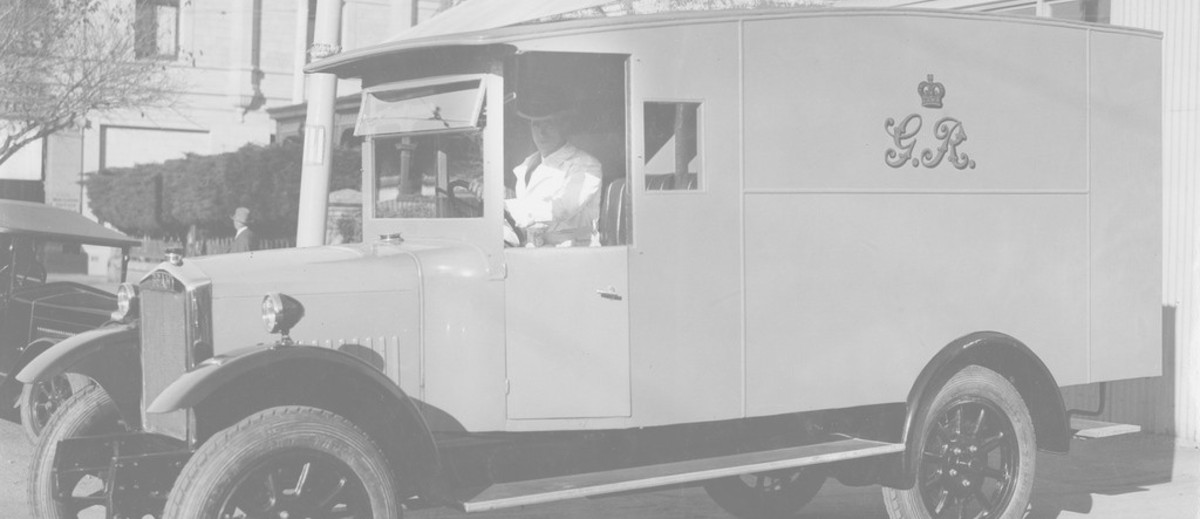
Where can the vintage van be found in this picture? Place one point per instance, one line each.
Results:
(861, 244)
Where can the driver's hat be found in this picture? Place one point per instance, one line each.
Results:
(545, 103)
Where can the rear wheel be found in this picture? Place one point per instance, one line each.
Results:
(768, 495)
(978, 453)
(88, 412)
(294, 462)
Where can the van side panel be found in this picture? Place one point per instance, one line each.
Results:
(871, 287)
(871, 245)
(1126, 195)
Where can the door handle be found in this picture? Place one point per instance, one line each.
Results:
(609, 293)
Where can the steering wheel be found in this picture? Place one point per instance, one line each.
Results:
(522, 239)
(465, 208)
(34, 275)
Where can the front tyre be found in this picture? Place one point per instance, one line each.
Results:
(295, 462)
(978, 453)
(89, 412)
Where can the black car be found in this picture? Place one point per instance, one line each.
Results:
(44, 300)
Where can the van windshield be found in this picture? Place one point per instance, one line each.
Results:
(428, 176)
(427, 149)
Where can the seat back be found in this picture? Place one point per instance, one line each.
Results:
(615, 216)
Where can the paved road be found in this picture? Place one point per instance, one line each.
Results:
(1130, 477)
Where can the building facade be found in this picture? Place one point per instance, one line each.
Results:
(232, 59)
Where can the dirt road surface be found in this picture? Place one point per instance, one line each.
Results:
(1129, 477)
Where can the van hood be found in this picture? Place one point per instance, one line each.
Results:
(362, 268)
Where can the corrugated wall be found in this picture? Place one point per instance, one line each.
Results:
(1170, 404)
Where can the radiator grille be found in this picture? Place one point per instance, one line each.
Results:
(164, 328)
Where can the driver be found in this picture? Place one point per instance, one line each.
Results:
(557, 194)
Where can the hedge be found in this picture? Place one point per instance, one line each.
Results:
(166, 200)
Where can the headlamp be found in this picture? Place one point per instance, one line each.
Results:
(127, 302)
(280, 312)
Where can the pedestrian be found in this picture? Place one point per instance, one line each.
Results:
(244, 240)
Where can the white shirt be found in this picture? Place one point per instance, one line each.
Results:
(560, 203)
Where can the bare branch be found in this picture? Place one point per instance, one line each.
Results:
(61, 60)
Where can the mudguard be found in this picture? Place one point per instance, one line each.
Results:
(1007, 356)
(211, 374)
(108, 355)
(194, 387)
(10, 389)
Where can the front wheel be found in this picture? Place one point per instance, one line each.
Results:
(89, 412)
(294, 462)
(977, 450)
(768, 495)
(42, 398)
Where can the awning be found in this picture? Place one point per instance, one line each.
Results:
(17, 217)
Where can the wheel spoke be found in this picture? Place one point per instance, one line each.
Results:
(979, 422)
(299, 481)
(326, 504)
(933, 478)
(982, 498)
(994, 473)
(941, 504)
(941, 432)
(958, 421)
(990, 444)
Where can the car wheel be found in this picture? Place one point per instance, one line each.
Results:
(768, 495)
(295, 462)
(88, 412)
(41, 399)
(978, 453)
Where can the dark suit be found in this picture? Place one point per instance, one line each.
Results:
(245, 242)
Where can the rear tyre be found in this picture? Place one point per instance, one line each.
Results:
(88, 412)
(294, 462)
(768, 495)
(978, 450)
(41, 399)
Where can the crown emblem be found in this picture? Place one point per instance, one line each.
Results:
(931, 93)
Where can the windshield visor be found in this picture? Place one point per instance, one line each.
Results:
(434, 108)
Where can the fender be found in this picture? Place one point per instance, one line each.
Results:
(10, 389)
(404, 434)
(1007, 356)
(108, 355)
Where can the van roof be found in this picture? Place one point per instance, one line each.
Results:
(480, 29)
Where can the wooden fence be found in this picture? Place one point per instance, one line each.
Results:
(155, 250)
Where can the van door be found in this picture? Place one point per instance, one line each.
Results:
(567, 320)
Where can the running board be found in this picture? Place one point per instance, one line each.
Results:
(1093, 429)
(522, 493)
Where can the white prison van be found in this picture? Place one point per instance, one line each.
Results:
(861, 244)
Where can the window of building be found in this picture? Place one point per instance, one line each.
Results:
(156, 29)
(672, 146)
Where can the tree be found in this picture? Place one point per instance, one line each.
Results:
(63, 59)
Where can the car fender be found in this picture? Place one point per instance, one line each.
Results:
(385, 412)
(10, 389)
(108, 355)
(1010, 358)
